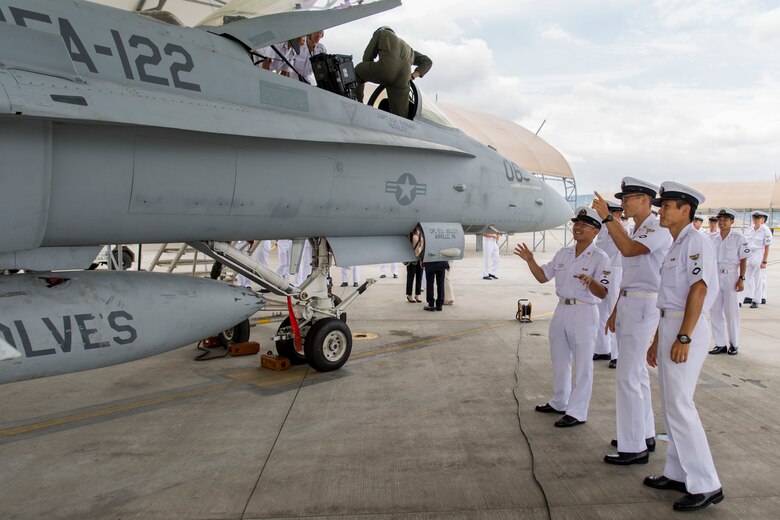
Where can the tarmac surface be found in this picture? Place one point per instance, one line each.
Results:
(432, 417)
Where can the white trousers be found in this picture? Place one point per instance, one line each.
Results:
(753, 277)
(449, 294)
(260, 254)
(763, 285)
(304, 269)
(688, 456)
(635, 325)
(283, 248)
(489, 256)
(355, 274)
(724, 313)
(572, 338)
(607, 343)
(393, 269)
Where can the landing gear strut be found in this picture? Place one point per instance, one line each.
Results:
(321, 316)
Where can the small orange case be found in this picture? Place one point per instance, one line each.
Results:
(274, 362)
(244, 349)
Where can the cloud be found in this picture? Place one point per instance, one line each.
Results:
(764, 27)
(556, 33)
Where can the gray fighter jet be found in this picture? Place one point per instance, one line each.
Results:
(122, 128)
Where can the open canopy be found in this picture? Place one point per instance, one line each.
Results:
(511, 140)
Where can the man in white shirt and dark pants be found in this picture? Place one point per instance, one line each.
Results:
(689, 286)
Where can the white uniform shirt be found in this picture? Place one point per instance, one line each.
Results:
(757, 239)
(690, 259)
(564, 265)
(605, 243)
(731, 250)
(642, 272)
(302, 61)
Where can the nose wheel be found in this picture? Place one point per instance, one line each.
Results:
(328, 344)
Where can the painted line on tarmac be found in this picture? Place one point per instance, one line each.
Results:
(239, 380)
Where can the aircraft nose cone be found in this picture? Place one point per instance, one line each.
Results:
(555, 210)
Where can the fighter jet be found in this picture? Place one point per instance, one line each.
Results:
(117, 127)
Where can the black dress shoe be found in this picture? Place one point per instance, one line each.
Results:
(546, 408)
(344, 284)
(622, 458)
(763, 301)
(613, 363)
(747, 300)
(494, 277)
(754, 305)
(601, 357)
(719, 350)
(395, 276)
(438, 308)
(429, 308)
(486, 278)
(732, 350)
(698, 501)
(567, 421)
(382, 276)
(661, 482)
(355, 284)
(649, 442)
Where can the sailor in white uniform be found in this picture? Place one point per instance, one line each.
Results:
(689, 286)
(581, 280)
(355, 275)
(283, 249)
(732, 252)
(635, 318)
(714, 229)
(606, 344)
(304, 268)
(490, 256)
(759, 237)
(697, 224)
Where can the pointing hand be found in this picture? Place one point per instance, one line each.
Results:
(600, 205)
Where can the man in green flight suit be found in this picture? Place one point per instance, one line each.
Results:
(396, 58)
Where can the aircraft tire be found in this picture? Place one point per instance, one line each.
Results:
(286, 347)
(328, 344)
(236, 334)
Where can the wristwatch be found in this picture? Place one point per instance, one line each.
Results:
(742, 278)
(684, 339)
(608, 218)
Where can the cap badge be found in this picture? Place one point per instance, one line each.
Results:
(582, 213)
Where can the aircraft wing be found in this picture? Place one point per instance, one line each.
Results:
(274, 28)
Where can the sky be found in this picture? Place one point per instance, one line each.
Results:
(659, 89)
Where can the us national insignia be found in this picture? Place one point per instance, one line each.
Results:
(694, 257)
